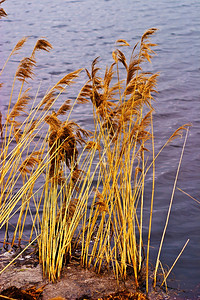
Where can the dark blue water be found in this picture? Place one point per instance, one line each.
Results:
(82, 30)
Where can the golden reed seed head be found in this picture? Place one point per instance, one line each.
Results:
(67, 79)
(48, 100)
(2, 13)
(20, 105)
(25, 69)
(64, 108)
(147, 33)
(42, 44)
(19, 45)
(122, 43)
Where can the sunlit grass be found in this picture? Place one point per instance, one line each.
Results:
(86, 187)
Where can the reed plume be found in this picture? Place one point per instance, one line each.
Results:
(41, 44)
(2, 11)
(65, 107)
(19, 45)
(20, 105)
(25, 69)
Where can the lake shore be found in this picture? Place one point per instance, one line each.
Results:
(75, 283)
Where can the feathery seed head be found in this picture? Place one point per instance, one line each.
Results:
(48, 100)
(19, 45)
(2, 13)
(53, 122)
(64, 108)
(20, 105)
(42, 44)
(122, 43)
(67, 79)
(30, 162)
(25, 69)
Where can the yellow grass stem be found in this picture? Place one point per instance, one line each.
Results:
(151, 207)
(164, 280)
(169, 210)
(12, 261)
(189, 195)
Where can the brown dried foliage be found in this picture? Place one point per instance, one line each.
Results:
(122, 43)
(48, 100)
(64, 108)
(30, 162)
(2, 13)
(19, 45)
(20, 105)
(25, 69)
(67, 80)
(63, 141)
(42, 44)
(85, 93)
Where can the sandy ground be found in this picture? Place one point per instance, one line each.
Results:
(75, 283)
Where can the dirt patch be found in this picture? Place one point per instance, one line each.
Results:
(76, 282)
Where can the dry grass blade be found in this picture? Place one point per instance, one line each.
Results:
(42, 44)
(189, 195)
(122, 43)
(168, 273)
(25, 69)
(134, 66)
(67, 79)
(19, 45)
(148, 33)
(30, 162)
(20, 105)
(64, 108)
(2, 13)
(169, 210)
(53, 122)
(48, 100)
(121, 58)
(179, 132)
(85, 93)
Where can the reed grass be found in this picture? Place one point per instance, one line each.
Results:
(86, 187)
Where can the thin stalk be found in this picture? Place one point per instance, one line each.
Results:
(151, 208)
(169, 210)
(164, 280)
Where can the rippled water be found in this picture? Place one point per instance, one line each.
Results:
(82, 30)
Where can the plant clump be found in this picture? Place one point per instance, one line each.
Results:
(75, 187)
